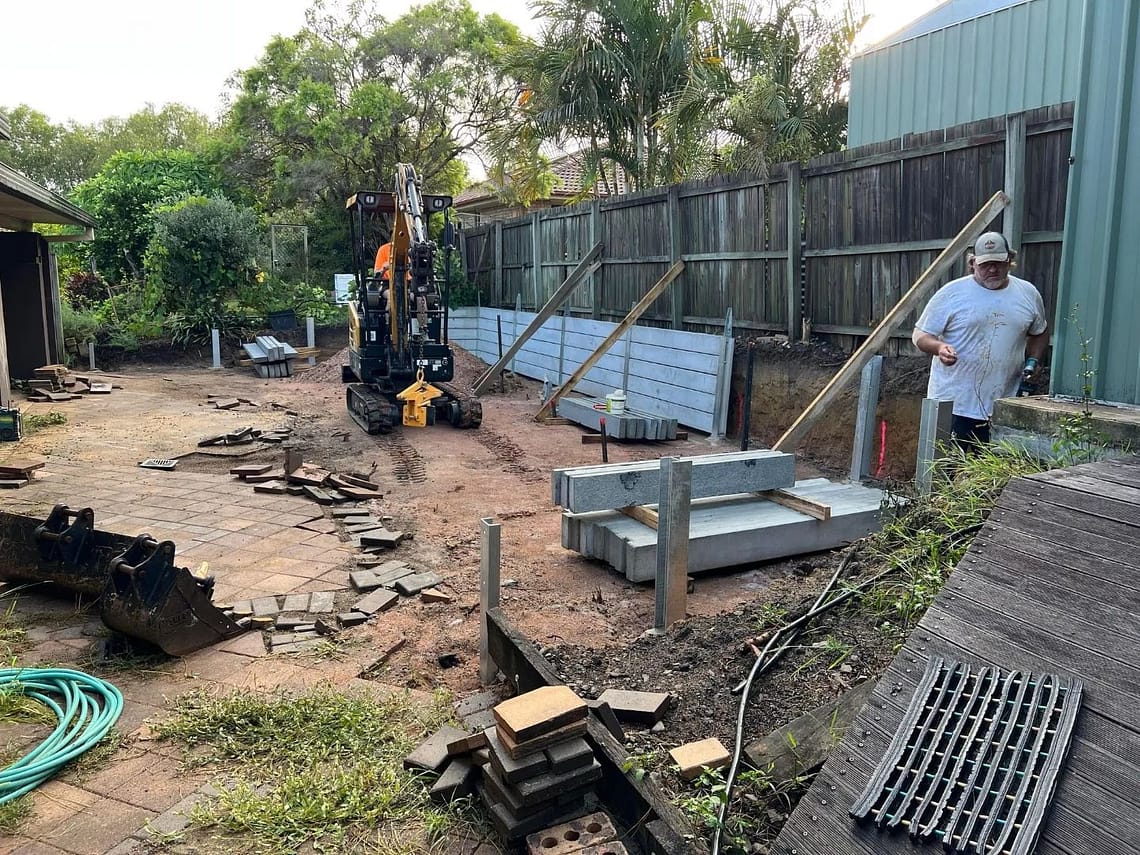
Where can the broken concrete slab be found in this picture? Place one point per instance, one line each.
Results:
(306, 646)
(249, 644)
(363, 580)
(295, 603)
(251, 469)
(276, 488)
(226, 404)
(434, 595)
(321, 602)
(646, 708)
(289, 623)
(537, 712)
(412, 585)
(378, 601)
(476, 703)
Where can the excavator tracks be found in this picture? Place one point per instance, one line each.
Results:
(371, 410)
(408, 465)
(466, 410)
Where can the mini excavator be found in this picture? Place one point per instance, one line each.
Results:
(399, 358)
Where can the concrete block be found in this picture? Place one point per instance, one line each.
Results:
(569, 755)
(509, 768)
(411, 585)
(639, 707)
(694, 756)
(538, 712)
(457, 780)
(598, 488)
(573, 836)
(379, 600)
(431, 754)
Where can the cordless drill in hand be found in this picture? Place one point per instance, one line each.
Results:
(1027, 386)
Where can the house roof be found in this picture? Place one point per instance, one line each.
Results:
(569, 172)
(945, 15)
(23, 202)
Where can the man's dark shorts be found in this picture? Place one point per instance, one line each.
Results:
(969, 434)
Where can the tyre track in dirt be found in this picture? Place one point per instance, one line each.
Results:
(408, 465)
(511, 458)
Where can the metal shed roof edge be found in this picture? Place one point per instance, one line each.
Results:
(60, 210)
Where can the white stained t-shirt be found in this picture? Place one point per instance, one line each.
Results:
(988, 330)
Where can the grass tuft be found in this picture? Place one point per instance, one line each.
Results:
(324, 767)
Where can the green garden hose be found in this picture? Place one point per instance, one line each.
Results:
(86, 708)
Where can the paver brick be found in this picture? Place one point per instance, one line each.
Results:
(606, 716)
(322, 602)
(568, 755)
(431, 754)
(265, 607)
(413, 584)
(466, 744)
(289, 623)
(694, 756)
(543, 741)
(296, 603)
(639, 707)
(476, 703)
(512, 828)
(544, 787)
(382, 537)
(457, 780)
(364, 580)
(538, 712)
(347, 619)
(434, 595)
(379, 600)
(513, 769)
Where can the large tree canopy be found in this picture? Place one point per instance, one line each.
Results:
(62, 156)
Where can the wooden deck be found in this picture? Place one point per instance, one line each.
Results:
(1051, 584)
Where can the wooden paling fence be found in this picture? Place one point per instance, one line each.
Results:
(830, 246)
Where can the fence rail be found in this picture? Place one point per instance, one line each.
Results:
(836, 252)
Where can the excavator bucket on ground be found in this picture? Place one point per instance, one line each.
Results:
(142, 593)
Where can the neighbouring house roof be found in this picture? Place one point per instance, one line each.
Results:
(945, 15)
(23, 202)
(569, 171)
(5, 128)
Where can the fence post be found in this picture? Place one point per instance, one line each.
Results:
(536, 254)
(489, 559)
(795, 217)
(215, 342)
(628, 349)
(677, 296)
(1014, 179)
(865, 419)
(933, 429)
(311, 336)
(515, 328)
(595, 278)
(671, 588)
(497, 279)
(723, 384)
(91, 356)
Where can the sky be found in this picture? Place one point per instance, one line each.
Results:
(87, 60)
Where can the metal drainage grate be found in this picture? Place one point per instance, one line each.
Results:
(158, 463)
(975, 760)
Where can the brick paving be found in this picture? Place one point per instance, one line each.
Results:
(254, 547)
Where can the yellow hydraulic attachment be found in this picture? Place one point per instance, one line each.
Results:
(417, 400)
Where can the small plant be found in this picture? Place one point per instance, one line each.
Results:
(33, 422)
(1077, 440)
(639, 765)
(770, 616)
(13, 813)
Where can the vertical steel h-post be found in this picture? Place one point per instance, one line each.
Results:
(933, 430)
(215, 342)
(864, 443)
(671, 591)
(311, 336)
(489, 561)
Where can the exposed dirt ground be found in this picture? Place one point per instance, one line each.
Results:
(439, 483)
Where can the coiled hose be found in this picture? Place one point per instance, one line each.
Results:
(86, 708)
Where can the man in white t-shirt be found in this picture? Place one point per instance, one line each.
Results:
(984, 331)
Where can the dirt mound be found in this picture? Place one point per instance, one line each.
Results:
(324, 372)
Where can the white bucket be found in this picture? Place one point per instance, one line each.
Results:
(615, 402)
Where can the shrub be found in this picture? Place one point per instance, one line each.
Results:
(78, 324)
(84, 289)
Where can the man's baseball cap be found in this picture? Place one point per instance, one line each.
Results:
(991, 247)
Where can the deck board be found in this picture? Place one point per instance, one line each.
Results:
(1051, 584)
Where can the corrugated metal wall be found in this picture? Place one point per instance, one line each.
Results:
(1015, 59)
(1100, 263)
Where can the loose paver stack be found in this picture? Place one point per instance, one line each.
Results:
(731, 521)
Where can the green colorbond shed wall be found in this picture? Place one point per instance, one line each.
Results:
(1100, 263)
(1014, 59)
